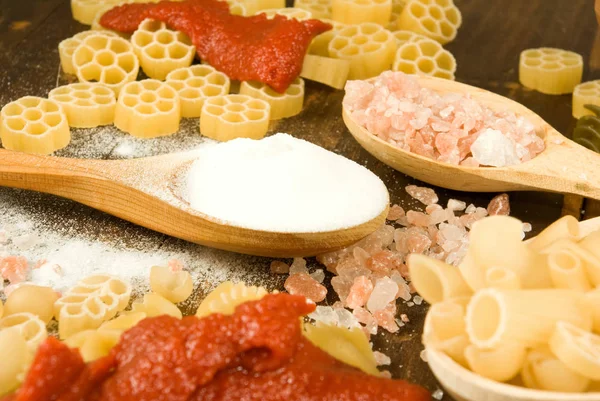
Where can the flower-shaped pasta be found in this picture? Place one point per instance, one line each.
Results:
(319, 9)
(359, 11)
(109, 60)
(67, 47)
(195, 84)
(437, 19)
(147, 109)
(407, 36)
(289, 12)
(227, 296)
(550, 71)
(84, 11)
(176, 286)
(86, 104)
(585, 93)
(161, 50)
(369, 47)
(283, 105)
(35, 125)
(425, 57)
(397, 7)
(234, 116)
(320, 44)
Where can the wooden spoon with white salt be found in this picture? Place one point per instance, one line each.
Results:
(145, 192)
(564, 166)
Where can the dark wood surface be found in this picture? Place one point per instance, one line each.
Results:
(487, 50)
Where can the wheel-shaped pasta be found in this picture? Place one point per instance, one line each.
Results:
(397, 7)
(34, 299)
(34, 125)
(234, 116)
(359, 11)
(326, 70)
(67, 47)
(106, 59)
(227, 296)
(13, 348)
(318, 8)
(288, 12)
(32, 328)
(161, 50)
(320, 44)
(369, 47)
(550, 71)
(86, 105)
(407, 36)
(176, 286)
(585, 93)
(436, 19)
(577, 348)
(147, 109)
(195, 84)
(154, 304)
(84, 11)
(283, 105)
(425, 57)
(542, 370)
(243, 7)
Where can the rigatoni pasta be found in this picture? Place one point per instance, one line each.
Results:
(359, 11)
(585, 93)
(566, 227)
(567, 270)
(436, 19)
(501, 364)
(234, 116)
(589, 261)
(435, 280)
(86, 105)
(577, 348)
(542, 370)
(549, 70)
(282, 105)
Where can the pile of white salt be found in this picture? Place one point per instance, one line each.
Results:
(283, 184)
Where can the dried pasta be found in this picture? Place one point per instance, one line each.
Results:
(567, 270)
(326, 70)
(577, 348)
(123, 322)
(593, 298)
(109, 60)
(282, 105)
(288, 12)
(85, 11)
(585, 93)
(242, 7)
(435, 280)
(543, 371)
(269, 4)
(227, 296)
(319, 9)
(196, 83)
(500, 364)
(176, 286)
(425, 57)
(347, 345)
(566, 227)
(436, 19)
(359, 11)
(154, 304)
(161, 50)
(502, 278)
(497, 317)
(581, 251)
(94, 344)
(320, 44)
(445, 328)
(34, 299)
(86, 105)
(148, 109)
(13, 348)
(550, 71)
(397, 7)
(29, 326)
(34, 125)
(369, 47)
(407, 36)
(234, 116)
(67, 47)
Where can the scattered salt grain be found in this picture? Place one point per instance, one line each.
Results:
(384, 292)
(318, 275)
(298, 266)
(361, 290)
(437, 394)
(499, 205)
(527, 227)
(381, 358)
(426, 196)
(303, 284)
(423, 355)
(395, 213)
(326, 315)
(417, 300)
(279, 267)
(404, 318)
(456, 205)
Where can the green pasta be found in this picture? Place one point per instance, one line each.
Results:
(587, 129)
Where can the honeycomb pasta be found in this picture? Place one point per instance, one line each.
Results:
(369, 47)
(585, 93)
(397, 7)
(84, 11)
(407, 36)
(326, 70)
(289, 12)
(34, 299)
(359, 11)
(176, 286)
(227, 296)
(67, 47)
(550, 71)
(86, 104)
(243, 7)
(425, 57)
(161, 50)
(436, 19)
(283, 105)
(96, 26)
(35, 125)
(234, 116)
(320, 44)
(195, 84)
(319, 9)
(147, 109)
(109, 60)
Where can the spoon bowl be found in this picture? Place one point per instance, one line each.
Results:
(146, 192)
(564, 166)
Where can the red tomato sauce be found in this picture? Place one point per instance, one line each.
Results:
(244, 48)
(258, 353)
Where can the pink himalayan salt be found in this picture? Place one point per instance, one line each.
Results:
(386, 318)
(383, 262)
(418, 218)
(499, 205)
(279, 267)
(426, 196)
(40, 263)
(397, 109)
(175, 265)
(359, 292)
(14, 269)
(418, 243)
(404, 318)
(395, 213)
(303, 284)
(383, 293)
(318, 275)
(298, 266)
(381, 358)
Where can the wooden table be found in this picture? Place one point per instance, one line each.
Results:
(487, 50)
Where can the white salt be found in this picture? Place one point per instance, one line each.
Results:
(493, 148)
(283, 184)
(437, 394)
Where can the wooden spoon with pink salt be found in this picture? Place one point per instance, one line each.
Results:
(560, 165)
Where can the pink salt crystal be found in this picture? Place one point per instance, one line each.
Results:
(359, 292)
(175, 265)
(298, 266)
(279, 267)
(500, 205)
(404, 318)
(14, 269)
(456, 205)
(383, 262)
(418, 243)
(527, 227)
(381, 358)
(403, 221)
(40, 263)
(469, 162)
(3, 238)
(341, 285)
(418, 218)
(303, 284)
(384, 292)
(338, 305)
(351, 268)
(360, 255)
(434, 207)
(395, 213)
(385, 318)
(329, 260)
(426, 196)
(318, 275)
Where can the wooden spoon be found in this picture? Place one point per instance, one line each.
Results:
(563, 166)
(144, 191)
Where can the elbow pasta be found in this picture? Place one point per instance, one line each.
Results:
(361, 11)
(154, 304)
(34, 299)
(319, 9)
(288, 12)
(147, 109)
(176, 286)
(234, 116)
(13, 348)
(424, 57)
(195, 84)
(326, 70)
(282, 105)
(109, 60)
(67, 47)
(161, 50)
(436, 19)
(227, 296)
(585, 93)
(369, 47)
(34, 125)
(550, 71)
(86, 105)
